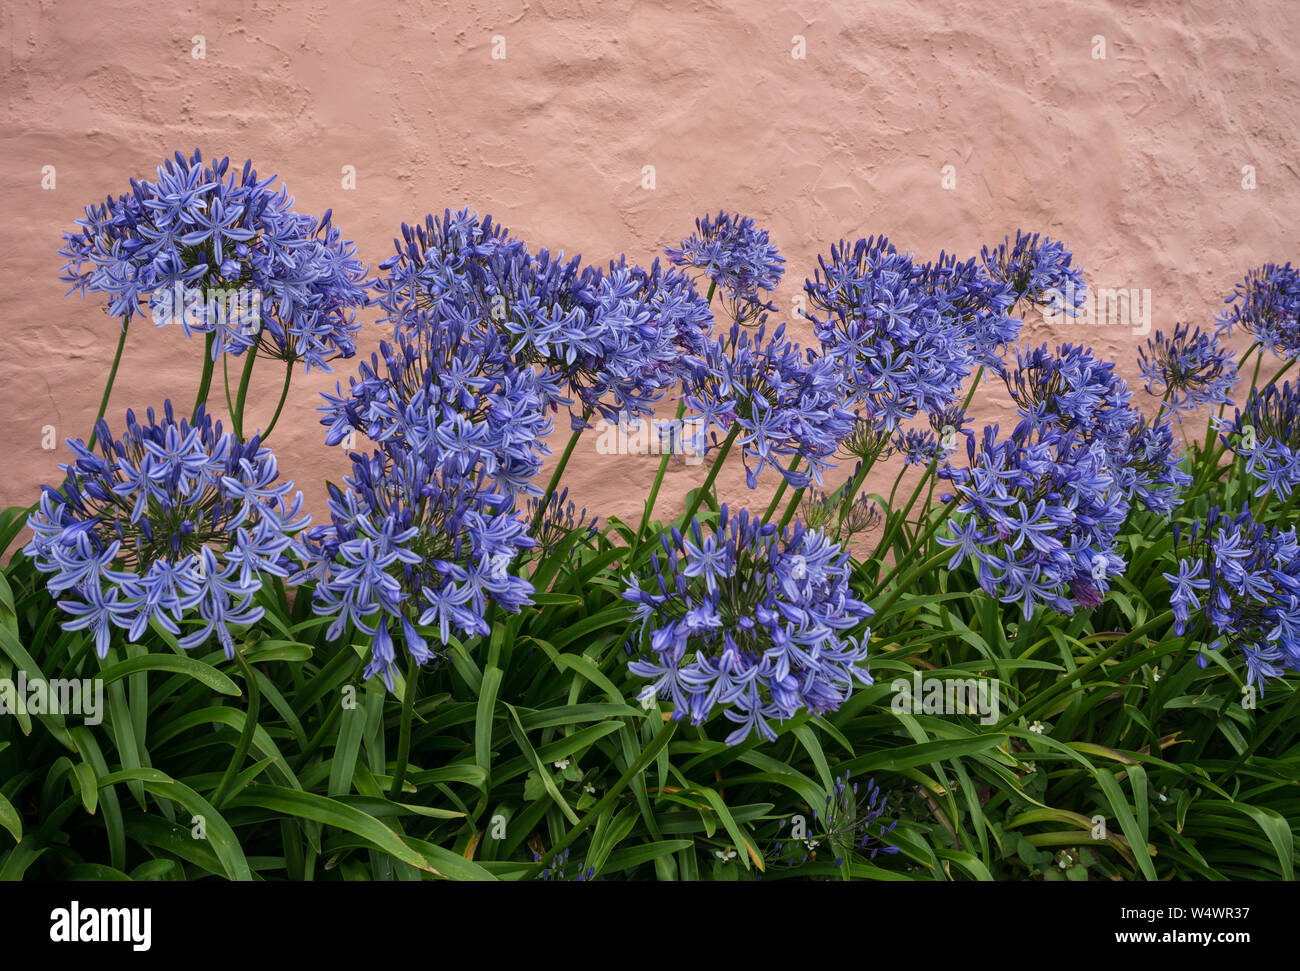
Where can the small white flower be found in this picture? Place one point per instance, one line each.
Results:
(590, 789)
(562, 764)
(725, 855)
(1155, 674)
(1037, 727)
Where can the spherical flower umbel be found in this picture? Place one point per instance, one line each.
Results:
(783, 402)
(222, 253)
(737, 257)
(1243, 579)
(1192, 367)
(412, 545)
(757, 622)
(172, 520)
(1266, 304)
(1267, 433)
(1038, 271)
(906, 334)
(615, 339)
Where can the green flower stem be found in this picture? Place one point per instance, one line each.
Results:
(659, 480)
(404, 732)
(284, 394)
(108, 388)
(713, 474)
(205, 381)
(559, 471)
(237, 418)
(780, 491)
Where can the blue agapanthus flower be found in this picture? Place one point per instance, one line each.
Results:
(412, 546)
(224, 253)
(1266, 304)
(171, 523)
(784, 401)
(1267, 433)
(615, 338)
(1071, 389)
(757, 622)
(906, 334)
(1243, 579)
(1192, 366)
(738, 258)
(1039, 511)
(454, 397)
(1038, 270)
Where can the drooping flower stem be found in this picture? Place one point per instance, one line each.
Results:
(112, 376)
(205, 380)
(404, 732)
(713, 474)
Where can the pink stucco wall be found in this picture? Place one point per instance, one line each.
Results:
(1135, 159)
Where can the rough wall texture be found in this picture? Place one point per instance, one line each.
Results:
(1136, 159)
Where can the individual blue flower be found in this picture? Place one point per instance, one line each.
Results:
(173, 521)
(753, 621)
(223, 253)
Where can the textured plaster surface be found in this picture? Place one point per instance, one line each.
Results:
(1135, 160)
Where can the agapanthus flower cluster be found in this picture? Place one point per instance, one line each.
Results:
(556, 521)
(1243, 579)
(831, 515)
(850, 822)
(920, 446)
(1039, 510)
(411, 546)
(906, 334)
(615, 338)
(174, 521)
(786, 402)
(1038, 271)
(454, 397)
(1266, 304)
(224, 253)
(757, 622)
(1037, 513)
(1267, 434)
(1192, 366)
(1071, 389)
(738, 258)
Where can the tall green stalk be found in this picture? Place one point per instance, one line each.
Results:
(108, 387)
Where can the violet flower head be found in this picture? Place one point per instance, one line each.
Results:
(756, 622)
(1192, 366)
(1241, 579)
(1039, 272)
(738, 258)
(170, 521)
(1267, 433)
(1266, 304)
(222, 252)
